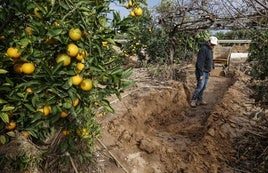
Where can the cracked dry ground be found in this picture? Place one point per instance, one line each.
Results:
(153, 129)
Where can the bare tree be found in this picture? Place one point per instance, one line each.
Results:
(196, 15)
(213, 14)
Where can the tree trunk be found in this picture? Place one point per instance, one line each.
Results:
(172, 49)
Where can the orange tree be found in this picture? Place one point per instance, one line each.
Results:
(57, 69)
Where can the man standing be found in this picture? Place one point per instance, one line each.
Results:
(203, 67)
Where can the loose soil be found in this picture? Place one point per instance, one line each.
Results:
(154, 130)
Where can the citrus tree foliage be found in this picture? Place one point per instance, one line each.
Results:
(235, 35)
(58, 68)
(154, 43)
(140, 37)
(259, 57)
(259, 53)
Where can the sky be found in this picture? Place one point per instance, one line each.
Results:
(125, 12)
(152, 3)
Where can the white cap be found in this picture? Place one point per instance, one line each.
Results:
(213, 40)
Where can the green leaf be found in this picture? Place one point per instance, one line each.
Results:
(36, 119)
(20, 95)
(52, 2)
(59, 65)
(3, 71)
(106, 105)
(111, 41)
(125, 84)
(127, 73)
(2, 101)
(11, 134)
(71, 93)
(85, 9)
(67, 105)
(30, 107)
(116, 79)
(33, 132)
(9, 81)
(116, 71)
(54, 32)
(57, 91)
(4, 116)
(5, 88)
(35, 99)
(64, 146)
(98, 68)
(3, 139)
(7, 108)
(24, 42)
(67, 84)
(47, 69)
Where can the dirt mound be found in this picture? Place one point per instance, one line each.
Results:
(154, 129)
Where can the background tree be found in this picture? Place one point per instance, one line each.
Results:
(193, 16)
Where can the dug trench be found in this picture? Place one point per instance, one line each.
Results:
(154, 130)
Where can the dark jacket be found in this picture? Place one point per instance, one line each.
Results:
(204, 61)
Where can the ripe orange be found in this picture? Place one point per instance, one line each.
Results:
(85, 33)
(50, 41)
(104, 43)
(100, 115)
(81, 55)
(65, 58)
(75, 34)
(2, 37)
(37, 12)
(132, 14)
(28, 30)
(28, 68)
(96, 103)
(46, 110)
(138, 11)
(56, 24)
(11, 125)
(76, 102)
(64, 114)
(83, 133)
(130, 3)
(86, 84)
(17, 68)
(65, 132)
(77, 79)
(13, 52)
(127, 6)
(80, 66)
(28, 90)
(72, 50)
(25, 133)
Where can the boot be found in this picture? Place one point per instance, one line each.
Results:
(201, 102)
(193, 103)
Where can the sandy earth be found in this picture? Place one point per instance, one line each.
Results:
(153, 129)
